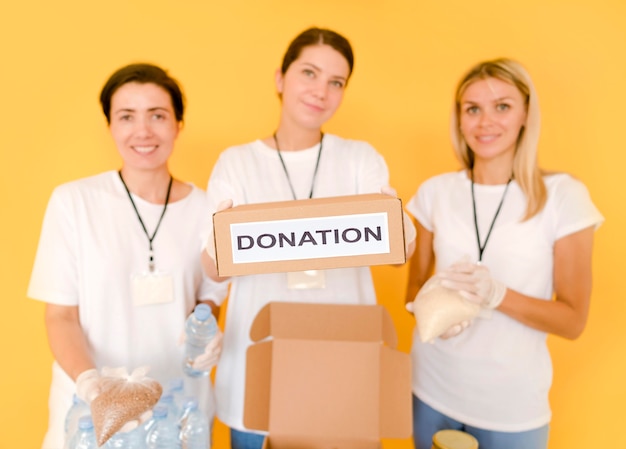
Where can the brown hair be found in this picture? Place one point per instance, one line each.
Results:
(318, 36)
(142, 73)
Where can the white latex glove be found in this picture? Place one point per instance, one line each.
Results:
(211, 355)
(210, 244)
(87, 385)
(410, 233)
(212, 352)
(475, 283)
(456, 329)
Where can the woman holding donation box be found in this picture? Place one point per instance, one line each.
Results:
(297, 161)
(515, 242)
(118, 263)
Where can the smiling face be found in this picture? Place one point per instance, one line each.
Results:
(312, 87)
(492, 113)
(143, 126)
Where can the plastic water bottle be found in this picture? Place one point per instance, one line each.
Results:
(163, 431)
(85, 436)
(200, 328)
(176, 387)
(77, 409)
(135, 439)
(194, 427)
(172, 408)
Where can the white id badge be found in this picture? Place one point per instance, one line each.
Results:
(306, 279)
(152, 288)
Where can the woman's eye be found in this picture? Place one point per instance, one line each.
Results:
(309, 73)
(158, 116)
(472, 110)
(125, 117)
(337, 84)
(503, 107)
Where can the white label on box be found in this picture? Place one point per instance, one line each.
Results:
(310, 238)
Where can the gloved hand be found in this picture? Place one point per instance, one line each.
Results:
(88, 387)
(410, 233)
(475, 283)
(211, 355)
(210, 244)
(456, 329)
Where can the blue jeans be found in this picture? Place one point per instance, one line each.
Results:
(427, 421)
(245, 440)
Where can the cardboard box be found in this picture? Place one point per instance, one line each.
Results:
(329, 378)
(312, 234)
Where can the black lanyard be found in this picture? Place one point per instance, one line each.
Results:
(150, 239)
(481, 248)
(317, 164)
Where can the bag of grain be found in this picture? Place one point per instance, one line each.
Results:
(123, 398)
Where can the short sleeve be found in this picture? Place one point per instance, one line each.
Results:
(213, 290)
(54, 278)
(574, 209)
(420, 205)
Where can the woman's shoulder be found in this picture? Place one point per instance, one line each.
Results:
(561, 181)
(338, 142)
(445, 179)
(565, 188)
(99, 181)
(242, 148)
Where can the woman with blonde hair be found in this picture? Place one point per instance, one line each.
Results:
(515, 240)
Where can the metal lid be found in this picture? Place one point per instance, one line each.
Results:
(454, 439)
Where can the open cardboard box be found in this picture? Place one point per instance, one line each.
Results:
(329, 378)
(311, 234)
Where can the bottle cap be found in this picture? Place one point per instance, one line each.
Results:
(85, 423)
(202, 312)
(191, 404)
(159, 411)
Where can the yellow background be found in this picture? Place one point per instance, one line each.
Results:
(55, 56)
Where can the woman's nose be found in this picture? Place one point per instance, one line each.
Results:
(143, 128)
(320, 89)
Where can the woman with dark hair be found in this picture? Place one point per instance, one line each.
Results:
(515, 240)
(117, 262)
(297, 161)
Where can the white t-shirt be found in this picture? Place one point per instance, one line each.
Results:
(91, 244)
(497, 373)
(253, 173)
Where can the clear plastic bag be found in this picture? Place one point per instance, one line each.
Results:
(437, 309)
(123, 398)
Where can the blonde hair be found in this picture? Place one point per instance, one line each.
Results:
(526, 169)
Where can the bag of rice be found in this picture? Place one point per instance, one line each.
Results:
(437, 309)
(123, 398)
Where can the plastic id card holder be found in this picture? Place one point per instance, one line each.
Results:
(152, 288)
(306, 279)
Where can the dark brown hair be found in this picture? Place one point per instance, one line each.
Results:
(318, 36)
(142, 73)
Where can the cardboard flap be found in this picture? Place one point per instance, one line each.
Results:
(396, 408)
(310, 206)
(291, 442)
(258, 386)
(308, 321)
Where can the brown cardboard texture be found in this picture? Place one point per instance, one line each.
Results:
(328, 378)
(311, 234)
